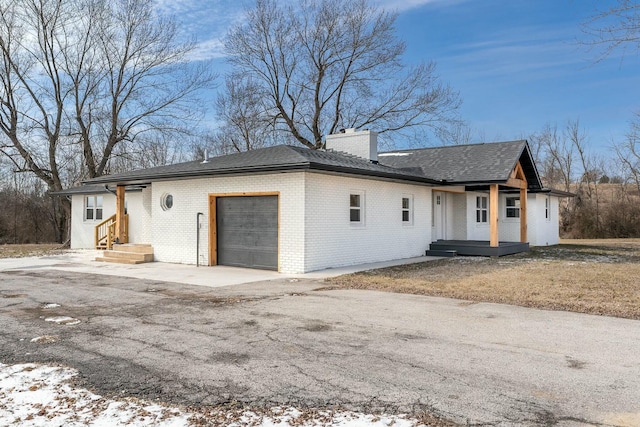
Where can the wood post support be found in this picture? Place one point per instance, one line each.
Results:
(493, 215)
(523, 215)
(120, 219)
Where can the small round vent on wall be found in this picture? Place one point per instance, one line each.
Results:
(166, 201)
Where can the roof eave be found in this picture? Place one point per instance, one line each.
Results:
(557, 193)
(379, 174)
(147, 179)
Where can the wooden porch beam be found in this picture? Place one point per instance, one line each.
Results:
(515, 183)
(120, 219)
(457, 189)
(523, 215)
(517, 178)
(493, 215)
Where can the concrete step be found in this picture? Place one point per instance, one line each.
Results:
(441, 252)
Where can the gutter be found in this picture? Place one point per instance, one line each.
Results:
(132, 180)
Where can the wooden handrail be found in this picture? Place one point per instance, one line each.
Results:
(105, 232)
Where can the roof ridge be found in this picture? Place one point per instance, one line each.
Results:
(298, 151)
(471, 144)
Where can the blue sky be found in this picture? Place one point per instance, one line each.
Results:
(516, 63)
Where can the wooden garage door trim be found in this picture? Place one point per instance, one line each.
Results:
(213, 223)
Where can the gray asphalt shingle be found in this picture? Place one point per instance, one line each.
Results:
(462, 164)
(277, 158)
(471, 163)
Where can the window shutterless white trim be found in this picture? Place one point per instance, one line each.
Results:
(356, 207)
(407, 209)
(482, 210)
(93, 208)
(166, 201)
(547, 206)
(512, 207)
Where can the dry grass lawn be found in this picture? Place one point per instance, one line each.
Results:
(20, 251)
(587, 276)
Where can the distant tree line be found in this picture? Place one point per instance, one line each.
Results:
(606, 188)
(28, 213)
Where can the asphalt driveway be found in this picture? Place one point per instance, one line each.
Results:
(285, 342)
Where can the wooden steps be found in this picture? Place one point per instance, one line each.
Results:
(128, 253)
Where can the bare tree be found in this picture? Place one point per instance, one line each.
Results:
(559, 156)
(459, 134)
(79, 77)
(243, 111)
(325, 65)
(615, 28)
(587, 187)
(628, 153)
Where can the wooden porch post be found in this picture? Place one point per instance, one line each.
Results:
(120, 225)
(523, 214)
(493, 215)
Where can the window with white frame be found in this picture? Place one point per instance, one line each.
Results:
(93, 208)
(482, 210)
(356, 208)
(407, 210)
(547, 205)
(513, 207)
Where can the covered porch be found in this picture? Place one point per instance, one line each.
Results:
(112, 235)
(488, 219)
(475, 248)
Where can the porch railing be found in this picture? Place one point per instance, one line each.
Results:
(105, 232)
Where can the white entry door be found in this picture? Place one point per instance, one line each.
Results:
(439, 204)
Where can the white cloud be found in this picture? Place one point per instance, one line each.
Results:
(405, 5)
(208, 49)
(208, 22)
(531, 53)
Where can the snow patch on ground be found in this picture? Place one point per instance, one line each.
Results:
(45, 339)
(33, 395)
(63, 320)
(51, 305)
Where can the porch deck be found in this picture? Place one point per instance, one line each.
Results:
(478, 247)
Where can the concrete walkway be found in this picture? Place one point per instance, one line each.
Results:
(83, 261)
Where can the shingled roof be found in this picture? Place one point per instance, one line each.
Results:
(277, 158)
(472, 164)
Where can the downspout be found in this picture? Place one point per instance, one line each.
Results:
(198, 238)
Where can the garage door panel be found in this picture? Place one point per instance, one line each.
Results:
(265, 238)
(247, 231)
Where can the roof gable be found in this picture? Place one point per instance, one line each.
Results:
(467, 164)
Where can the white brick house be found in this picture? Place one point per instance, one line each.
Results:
(298, 210)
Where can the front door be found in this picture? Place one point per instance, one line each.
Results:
(439, 223)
